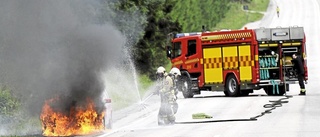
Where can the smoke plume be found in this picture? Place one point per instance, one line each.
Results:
(54, 48)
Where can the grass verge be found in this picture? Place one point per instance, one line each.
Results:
(236, 17)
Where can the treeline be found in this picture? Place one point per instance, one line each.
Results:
(163, 17)
(149, 52)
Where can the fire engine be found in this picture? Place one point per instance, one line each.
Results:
(237, 61)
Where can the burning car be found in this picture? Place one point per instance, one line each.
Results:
(79, 119)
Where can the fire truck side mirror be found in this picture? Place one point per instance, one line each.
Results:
(169, 51)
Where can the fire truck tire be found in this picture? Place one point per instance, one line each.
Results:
(186, 87)
(232, 86)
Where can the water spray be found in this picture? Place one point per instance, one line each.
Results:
(134, 73)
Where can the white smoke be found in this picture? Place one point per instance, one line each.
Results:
(50, 48)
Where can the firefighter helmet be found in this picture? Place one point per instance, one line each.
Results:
(175, 71)
(161, 70)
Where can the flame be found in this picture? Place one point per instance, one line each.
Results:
(80, 121)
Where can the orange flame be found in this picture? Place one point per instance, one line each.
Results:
(80, 121)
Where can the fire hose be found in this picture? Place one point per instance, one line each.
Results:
(270, 106)
(266, 62)
(275, 86)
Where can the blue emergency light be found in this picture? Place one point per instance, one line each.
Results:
(179, 35)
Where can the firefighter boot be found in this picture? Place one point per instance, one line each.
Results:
(303, 92)
(171, 119)
(161, 120)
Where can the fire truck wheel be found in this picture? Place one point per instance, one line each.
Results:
(232, 86)
(186, 87)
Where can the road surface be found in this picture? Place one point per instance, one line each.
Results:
(300, 117)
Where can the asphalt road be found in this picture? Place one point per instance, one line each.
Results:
(300, 117)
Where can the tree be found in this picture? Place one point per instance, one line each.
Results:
(149, 53)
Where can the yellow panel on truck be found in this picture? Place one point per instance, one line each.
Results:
(246, 63)
(230, 57)
(212, 63)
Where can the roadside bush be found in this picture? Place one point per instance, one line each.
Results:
(8, 102)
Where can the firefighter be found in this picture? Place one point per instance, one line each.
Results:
(165, 87)
(298, 66)
(175, 75)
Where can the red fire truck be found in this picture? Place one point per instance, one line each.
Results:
(237, 61)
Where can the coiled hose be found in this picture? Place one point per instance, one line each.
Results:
(271, 106)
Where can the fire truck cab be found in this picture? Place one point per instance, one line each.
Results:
(237, 61)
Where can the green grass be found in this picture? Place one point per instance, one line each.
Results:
(144, 83)
(216, 15)
(236, 18)
(259, 5)
(119, 100)
(25, 123)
